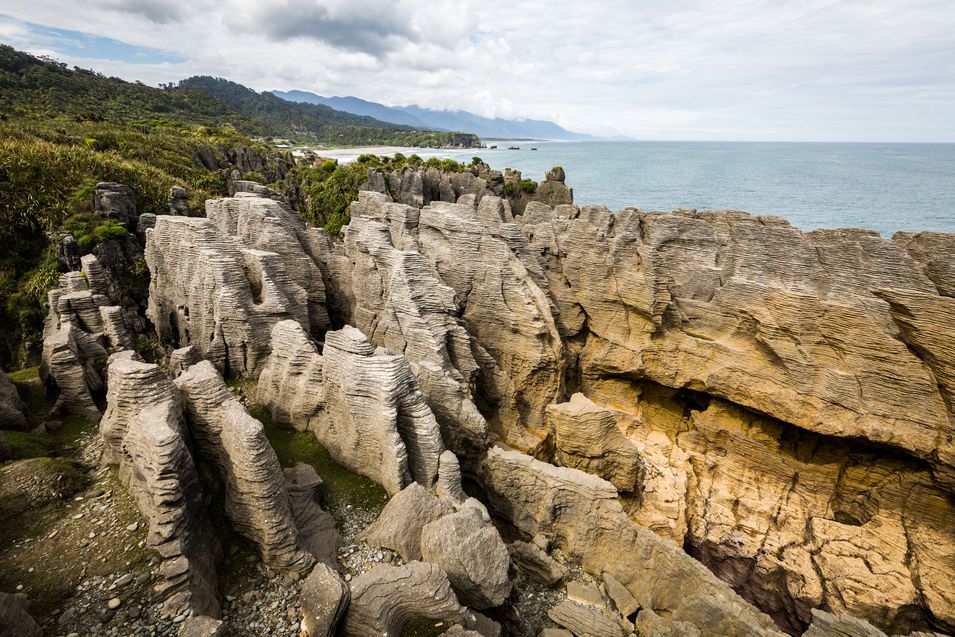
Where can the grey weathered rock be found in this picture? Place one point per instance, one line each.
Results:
(400, 523)
(564, 503)
(536, 564)
(15, 621)
(370, 401)
(394, 297)
(182, 359)
(555, 632)
(179, 201)
(449, 477)
(585, 620)
(79, 326)
(145, 434)
(234, 442)
(317, 532)
(470, 550)
(324, 600)
(932, 250)
(221, 283)
(649, 624)
(202, 626)
(12, 409)
(116, 201)
(363, 406)
(386, 598)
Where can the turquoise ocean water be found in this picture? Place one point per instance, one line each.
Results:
(886, 187)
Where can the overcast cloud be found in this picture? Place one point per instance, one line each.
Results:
(855, 70)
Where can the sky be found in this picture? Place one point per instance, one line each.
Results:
(801, 70)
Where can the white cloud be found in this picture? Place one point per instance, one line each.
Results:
(684, 69)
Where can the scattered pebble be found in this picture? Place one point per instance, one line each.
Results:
(114, 603)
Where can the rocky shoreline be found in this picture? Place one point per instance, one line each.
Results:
(582, 421)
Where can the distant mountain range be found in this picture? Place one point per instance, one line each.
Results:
(426, 118)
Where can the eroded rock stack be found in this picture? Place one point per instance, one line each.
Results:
(149, 425)
(221, 283)
(363, 405)
(80, 326)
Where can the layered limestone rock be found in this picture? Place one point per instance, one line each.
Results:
(395, 298)
(386, 598)
(145, 435)
(80, 325)
(317, 532)
(221, 283)
(234, 442)
(362, 404)
(586, 437)
(12, 410)
(470, 550)
(376, 421)
(324, 600)
(566, 505)
(400, 523)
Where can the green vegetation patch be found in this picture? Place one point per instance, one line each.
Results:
(423, 627)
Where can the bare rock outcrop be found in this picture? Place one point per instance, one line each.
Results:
(15, 621)
(535, 563)
(400, 523)
(80, 325)
(585, 620)
(386, 598)
(586, 437)
(367, 411)
(324, 600)
(470, 550)
(221, 283)
(12, 410)
(256, 500)
(565, 504)
(394, 297)
(144, 430)
(317, 532)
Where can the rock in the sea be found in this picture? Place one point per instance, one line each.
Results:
(536, 564)
(12, 410)
(470, 550)
(399, 525)
(234, 442)
(585, 620)
(145, 434)
(15, 621)
(324, 600)
(386, 598)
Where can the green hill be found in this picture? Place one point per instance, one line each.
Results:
(317, 122)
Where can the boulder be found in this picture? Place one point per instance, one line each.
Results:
(400, 523)
(586, 437)
(386, 598)
(317, 532)
(116, 201)
(324, 599)
(828, 625)
(13, 412)
(15, 621)
(179, 201)
(470, 550)
(536, 564)
(585, 620)
(202, 626)
(622, 598)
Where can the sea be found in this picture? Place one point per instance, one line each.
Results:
(885, 187)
